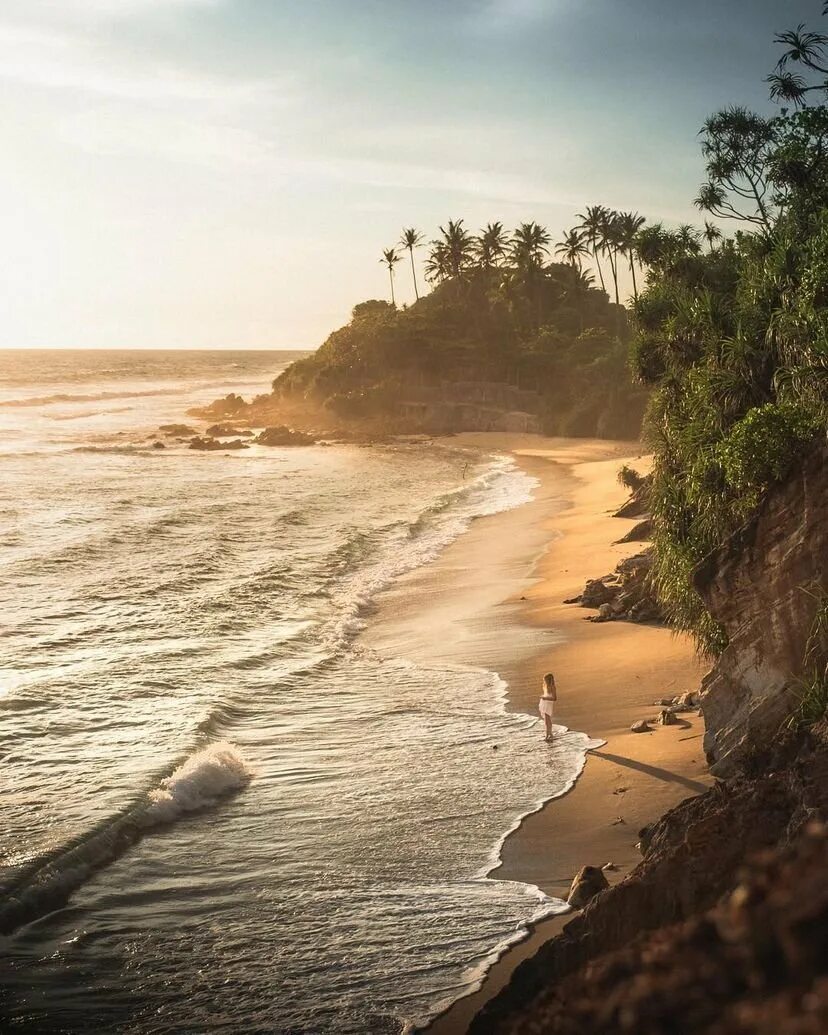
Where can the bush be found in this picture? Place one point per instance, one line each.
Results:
(763, 445)
(630, 478)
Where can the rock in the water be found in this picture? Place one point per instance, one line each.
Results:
(587, 884)
(158, 445)
(177, 429)
(667, 717)
(642, 726)
(227, 431)
(212, 444)
(284, 436)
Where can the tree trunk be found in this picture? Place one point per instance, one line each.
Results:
(632, 270)
(614, 267)
(391, 278)
(600, 271)
(414, 274)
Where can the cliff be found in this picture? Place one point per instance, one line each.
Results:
(720, 914)
(765, 587)
(722, 926)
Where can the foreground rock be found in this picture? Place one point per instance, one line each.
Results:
(657, 953)
(284, 436)
(589, 881)
(765, 587)
(624, 595)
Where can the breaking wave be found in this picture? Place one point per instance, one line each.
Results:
(201, 781)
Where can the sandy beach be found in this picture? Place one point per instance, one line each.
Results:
(508, 578)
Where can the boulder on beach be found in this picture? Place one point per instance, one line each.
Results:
(284, 436)
(212, 444)
(227, 431)
(589, 881)
(667, 717)
(642, 726)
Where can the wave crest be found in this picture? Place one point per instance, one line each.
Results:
(202, 780)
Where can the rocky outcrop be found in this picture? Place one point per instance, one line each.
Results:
(764, 587)
(755, 964)
(227, 431)
(177, 430)
(693, 856)
(214, 445)
(623, 595)
(588, 882)
(639, 533)
(639, 502)
(283, 436)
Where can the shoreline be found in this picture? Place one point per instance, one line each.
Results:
(609, 674)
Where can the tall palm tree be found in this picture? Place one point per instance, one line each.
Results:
(712, 234)
(491, 245)
(573, 248)
(390, 259)
(629, 225)
(592, 219)
(411, 239)
(609, 241)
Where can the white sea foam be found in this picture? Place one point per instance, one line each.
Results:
(501, 486)
(202, 780)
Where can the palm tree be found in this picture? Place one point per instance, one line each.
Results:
(390, 259)
(528, 247)
(572, 248)
(436, 266)
(653, 245)
(629, 225)
(592, 220)
(411, 239)
(609, 241)
(712, 234)
(457, 248)
(491, 245)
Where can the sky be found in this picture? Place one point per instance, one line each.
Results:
(226, 173)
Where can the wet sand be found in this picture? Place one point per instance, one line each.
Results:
(494, 599)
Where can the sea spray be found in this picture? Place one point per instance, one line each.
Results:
(201, 781)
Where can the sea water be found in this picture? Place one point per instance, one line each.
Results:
(218, 810)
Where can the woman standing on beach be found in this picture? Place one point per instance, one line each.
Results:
(546, 705)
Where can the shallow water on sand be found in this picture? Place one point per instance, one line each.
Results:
(264, 825)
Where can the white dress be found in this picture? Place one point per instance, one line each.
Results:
(546, 706)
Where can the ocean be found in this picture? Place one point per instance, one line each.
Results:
(221, 810)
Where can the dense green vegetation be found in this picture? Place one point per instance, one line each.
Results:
(498, 311)
(733, 340)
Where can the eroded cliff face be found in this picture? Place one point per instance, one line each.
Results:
(764, 586)
(722, 928)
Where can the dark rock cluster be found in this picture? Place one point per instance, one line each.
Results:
(625, 594)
